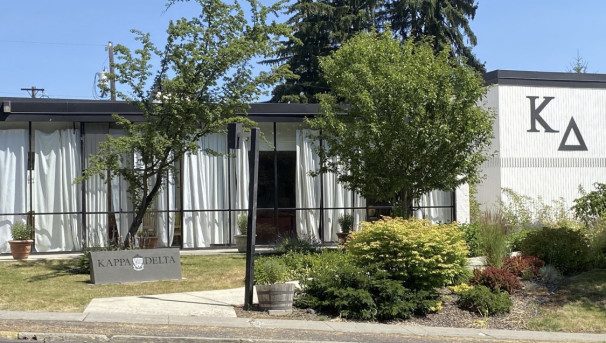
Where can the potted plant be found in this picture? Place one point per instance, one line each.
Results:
(241, 238)
(148, 239)
(273, 292)
(346, 222)
(21, 245)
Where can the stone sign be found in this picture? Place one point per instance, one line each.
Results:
(135, 265)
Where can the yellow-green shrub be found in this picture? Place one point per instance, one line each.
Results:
(421, 255)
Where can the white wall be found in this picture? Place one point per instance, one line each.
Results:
(541, 161)
(488, 191)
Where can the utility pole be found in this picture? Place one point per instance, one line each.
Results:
(33, 91)
(112, 81)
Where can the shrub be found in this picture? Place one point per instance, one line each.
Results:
(270, 271)
(20, 231)
(420, 255)
(496, 279)
(492, 239)
(243, 223)
(515, 238)
(590, 206)
(470, 235)
(523, 265)
(302, 266)
(521, 211)
(566, 249)
(550, 274)
(484, 301)
(305, 245)
(346, 223)
(353, 293)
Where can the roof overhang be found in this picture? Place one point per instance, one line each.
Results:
(67, 110)
(545, 79)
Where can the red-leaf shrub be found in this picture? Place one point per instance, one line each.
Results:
(496, 279)
(523, 265)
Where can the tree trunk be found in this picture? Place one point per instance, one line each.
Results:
(402, 205)
(141, 210)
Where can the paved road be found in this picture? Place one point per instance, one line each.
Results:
(120, 332)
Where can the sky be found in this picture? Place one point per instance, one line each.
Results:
(60, 45)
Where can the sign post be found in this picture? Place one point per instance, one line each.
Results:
(253, 160)
(233, 135)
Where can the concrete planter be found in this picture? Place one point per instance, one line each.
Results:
(21, 249)
(240, 242)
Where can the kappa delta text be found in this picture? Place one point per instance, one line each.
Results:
(127, 262)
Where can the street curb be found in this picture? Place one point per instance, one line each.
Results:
(61, 337)
(9, 335)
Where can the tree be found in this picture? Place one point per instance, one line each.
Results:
(410, 124)
(447, 21)
(578, 65)
(204, 78)
(321, 26)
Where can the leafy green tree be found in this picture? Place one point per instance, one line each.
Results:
(411, 123)
(203, 79)
(590, 206)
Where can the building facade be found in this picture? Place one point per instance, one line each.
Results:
(46, 143)
(548, 132)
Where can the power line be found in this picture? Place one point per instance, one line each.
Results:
(49, 43)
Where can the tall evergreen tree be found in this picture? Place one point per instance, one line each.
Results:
(321, 26)
(446, 20)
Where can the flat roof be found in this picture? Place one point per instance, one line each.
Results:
(545, 79)
(70, 110)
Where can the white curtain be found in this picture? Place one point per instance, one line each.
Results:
(308, 187)
(13, 178)
(57, 165)
(336, 197)
(97, 192)
(239, 177)
(434, 214)
(205, 188)
(165, 204)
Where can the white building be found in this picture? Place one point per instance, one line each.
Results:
(549, 135)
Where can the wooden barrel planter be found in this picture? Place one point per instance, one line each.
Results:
(276, 297)
(148, 242)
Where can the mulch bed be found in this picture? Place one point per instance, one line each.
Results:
(525, 307)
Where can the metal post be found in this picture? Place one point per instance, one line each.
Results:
(112, 82)
(252, 218)
(83, 187)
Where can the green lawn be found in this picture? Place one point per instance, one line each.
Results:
(578, 306)
(48, 286)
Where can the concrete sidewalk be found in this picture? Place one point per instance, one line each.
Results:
(219, 303)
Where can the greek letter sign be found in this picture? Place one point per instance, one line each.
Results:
(135, 265)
